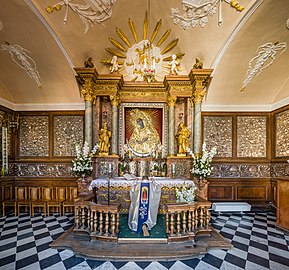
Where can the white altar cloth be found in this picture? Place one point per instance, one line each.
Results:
(122, 182)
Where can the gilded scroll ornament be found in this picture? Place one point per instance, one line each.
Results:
(68, 131)
(282, 134)
(251, 136)
(34, 136)
(218, 131)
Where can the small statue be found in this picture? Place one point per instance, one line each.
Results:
(182, 136)
(103, 140)
(174, 63)
(88, 63)
(114, 64)
(198, 64)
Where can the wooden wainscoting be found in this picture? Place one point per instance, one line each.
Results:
(257, 192)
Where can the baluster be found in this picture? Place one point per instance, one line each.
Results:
(95, 221)
(184, 222)
(167, 223)
(83, 217)
(106, 223)
(92, 213)
(189, 221)
(100, 223)
(172, 223)
(76, 215)
(193, 220)
(201, 218)
(87, 221)
(207, 217)
(117, 222)
(178, 223)
(196, 219)
(113, 224)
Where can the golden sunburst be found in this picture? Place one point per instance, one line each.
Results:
(132, 56)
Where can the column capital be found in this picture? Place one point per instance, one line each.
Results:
(198, 96)
(88, 93)
(115, 100)
(171, 101)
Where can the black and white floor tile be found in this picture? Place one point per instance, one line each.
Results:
(258, 245)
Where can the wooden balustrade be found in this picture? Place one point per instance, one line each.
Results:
(99, 221)
(184, 221)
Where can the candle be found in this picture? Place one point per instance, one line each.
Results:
(173, 168)
(110, 168)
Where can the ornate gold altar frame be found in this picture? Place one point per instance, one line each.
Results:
(122, 122)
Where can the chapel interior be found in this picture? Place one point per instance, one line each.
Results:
(105, 72)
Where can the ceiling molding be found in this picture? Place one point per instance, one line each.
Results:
(236, 30)
(50, 107)
(246, 108)
(52, 32)
(7, 104)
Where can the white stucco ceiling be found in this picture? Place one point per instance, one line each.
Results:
(57, 48)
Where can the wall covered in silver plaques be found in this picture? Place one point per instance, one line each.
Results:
(67, 132)
(251, 136)
(282, 134)
(34, 136)
(218, 133)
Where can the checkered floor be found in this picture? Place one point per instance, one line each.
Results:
(258, 245)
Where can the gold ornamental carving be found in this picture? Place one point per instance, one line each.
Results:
(115, 100)
(198, 95)
(171, 101)
(88, 94)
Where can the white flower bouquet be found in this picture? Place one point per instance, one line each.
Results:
(202, 163)
(82, 164)
(185, 193)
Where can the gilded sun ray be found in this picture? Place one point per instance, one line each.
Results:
(142, 60)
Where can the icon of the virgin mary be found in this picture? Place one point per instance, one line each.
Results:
(144, 138)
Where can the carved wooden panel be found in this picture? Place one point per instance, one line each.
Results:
(221, 192)
(34, 136)
(251, 136)
(240, 170)
(68, 131)
(283, 203)
(218, 133)
(251, 192)
(282, 134)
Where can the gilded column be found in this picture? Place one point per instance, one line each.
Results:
(200, 78)
(114, 138)
(198, 97)
(193, 123)
(89, 96)
(171, 102)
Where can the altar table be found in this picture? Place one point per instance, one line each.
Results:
(118, 190)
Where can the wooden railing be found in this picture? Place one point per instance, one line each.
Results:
(184, 221)
(99, 221)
